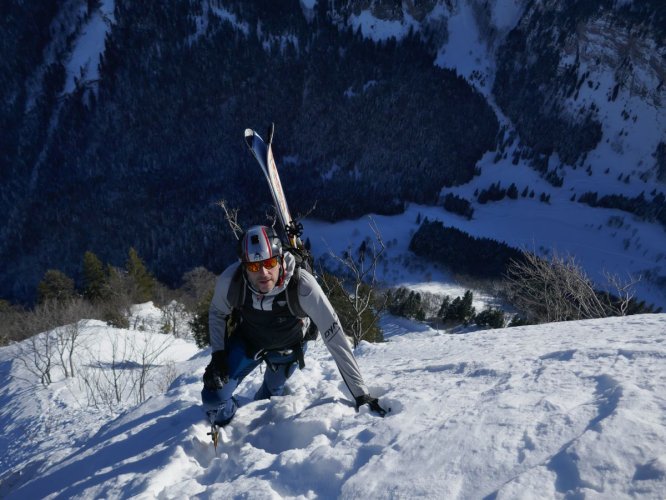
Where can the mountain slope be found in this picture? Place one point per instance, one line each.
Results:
(543, 411)
(378, 104)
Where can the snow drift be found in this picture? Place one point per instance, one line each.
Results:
(543, 411)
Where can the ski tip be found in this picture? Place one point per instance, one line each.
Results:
(271, 131)
(252, 138)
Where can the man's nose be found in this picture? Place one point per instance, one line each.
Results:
(264, 271)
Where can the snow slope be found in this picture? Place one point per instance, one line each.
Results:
(83, 62)
(549, 411)
(633, 123)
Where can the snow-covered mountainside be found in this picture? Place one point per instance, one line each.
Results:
(559, 64)
(550, 411)
(122, 125)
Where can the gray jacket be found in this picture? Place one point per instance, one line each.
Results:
(312, 300)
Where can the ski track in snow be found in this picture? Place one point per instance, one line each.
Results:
(549, 411)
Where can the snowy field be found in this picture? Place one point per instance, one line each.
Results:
(567, 410)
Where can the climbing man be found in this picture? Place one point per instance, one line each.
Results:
(271, 301)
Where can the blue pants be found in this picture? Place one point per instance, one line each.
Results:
(280, 368)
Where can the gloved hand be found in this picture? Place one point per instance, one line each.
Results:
(373, 403)
(217, 371)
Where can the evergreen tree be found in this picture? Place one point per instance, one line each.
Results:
(199, 321)
(413, 307)
(120, 290)
(395, 301)
(55, 285)
(143, 281)
(461, 308)
(95, 278)
(494, 318)
(512, 192)
(518, 320)
(444, 308)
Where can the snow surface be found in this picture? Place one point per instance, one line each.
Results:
(382, 29)
(465, 50)
(559, 410)
(83, 62)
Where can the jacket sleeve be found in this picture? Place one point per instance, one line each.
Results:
(316, 305)
(220, 309)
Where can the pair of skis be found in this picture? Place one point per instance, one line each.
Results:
(263, 153)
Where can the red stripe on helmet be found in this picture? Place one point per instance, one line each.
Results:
(268, 242)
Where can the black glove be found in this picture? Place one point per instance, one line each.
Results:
(217, 371)
(373, 403)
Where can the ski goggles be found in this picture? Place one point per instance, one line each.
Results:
(255, 267)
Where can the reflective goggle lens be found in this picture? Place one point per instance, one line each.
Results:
(255, 267)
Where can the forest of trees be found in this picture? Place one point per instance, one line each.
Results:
(476, 257)
(141, 156)
(104, 292)
(652, 210)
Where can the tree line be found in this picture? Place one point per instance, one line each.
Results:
(647, 209)
(536, 289)
(446, 311)
(104, 292)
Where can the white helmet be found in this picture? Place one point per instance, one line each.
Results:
(259, 243)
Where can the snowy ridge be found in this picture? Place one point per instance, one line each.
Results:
(532, 412)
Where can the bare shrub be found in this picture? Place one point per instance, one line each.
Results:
(559, 290)
(37, 355)
(175, 320)
(11, 323)
(106, 381)
(168, 375)
(354, 299)
(624, 291)
(125, 374)
(60, 325)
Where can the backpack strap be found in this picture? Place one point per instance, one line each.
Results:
(236, 292)
(292, 295)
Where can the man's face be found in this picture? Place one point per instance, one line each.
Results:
(263, 275)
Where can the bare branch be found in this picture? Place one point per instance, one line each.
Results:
(554, 290)
(623, 289)
(307, 214)
(231, 215)
(358, 296)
